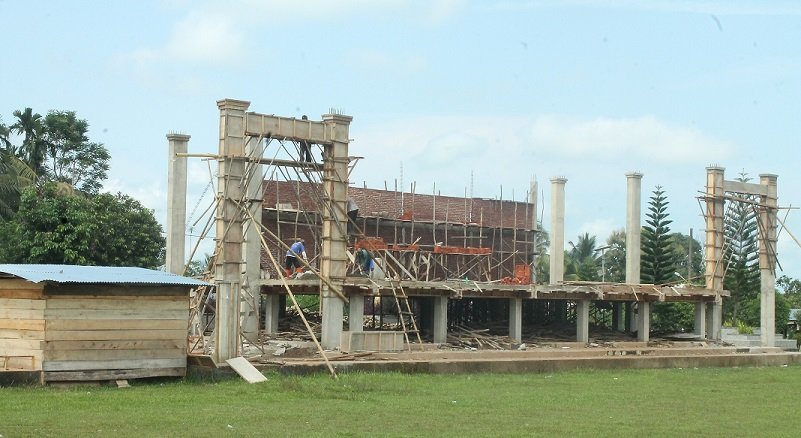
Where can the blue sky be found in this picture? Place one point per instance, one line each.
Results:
(505, 90)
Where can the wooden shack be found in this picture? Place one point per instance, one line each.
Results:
(93, 323)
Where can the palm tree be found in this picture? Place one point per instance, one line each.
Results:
(4, 133)
(581, 262)
(29, 125)
(15, 175)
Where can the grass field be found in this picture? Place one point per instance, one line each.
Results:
(673, 402)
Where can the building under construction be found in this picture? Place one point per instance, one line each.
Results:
(441, 262)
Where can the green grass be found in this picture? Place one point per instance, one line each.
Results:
(675, 402)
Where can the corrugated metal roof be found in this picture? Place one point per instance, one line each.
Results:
(96, 275)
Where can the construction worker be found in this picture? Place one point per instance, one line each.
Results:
(365, 261)
(305, 148)
(292, 262)
(353, 213)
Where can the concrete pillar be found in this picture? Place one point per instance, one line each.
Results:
(643, 321)
(557, 268)
(176, 203)
(229, 232)
(583, 321)
(767, 259)
(516, 319)
(631, 316)
(252, 247)
(271, 313)
(633, 230)
(714, 320)
(440, 320)
(356, 313)
(619, 317)
(713, 246)
(700, 319)
(333, 258)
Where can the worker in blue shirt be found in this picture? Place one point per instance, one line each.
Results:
(292, 262)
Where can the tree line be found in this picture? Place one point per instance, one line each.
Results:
(51, 206)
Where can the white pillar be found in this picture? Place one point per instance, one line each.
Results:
(700, 319)
(516, 319)
(583, 321)
(440, 319)
(229, 234)
(333, 258)
(356, 313)
(767, 260)
(633, 229)
(271, 313)
(557, 268)
(643, 321)
(176, 203)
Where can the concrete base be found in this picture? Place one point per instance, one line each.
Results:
(271, 313)
(356, 313)
(643, 321)
(332, 310)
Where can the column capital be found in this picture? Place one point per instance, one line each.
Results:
(339, 119)
(233, 104)
(715, 169)
(769, 178)
(636, 175)
(559, 180)
(174, 136)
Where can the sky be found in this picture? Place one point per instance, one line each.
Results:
(469, 97)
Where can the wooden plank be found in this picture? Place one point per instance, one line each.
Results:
(115, 344)
(6, 333)
(78, 376)
(90, 290)
(28, 294)
(172, 353)
(119, 297)
(118, 324)
(82, 365)
(246, 370)
(21, 303)
(112, 314)
(106, 335)
(22, 324)
(26, 344)
(18, 283)
(21, 313)
(141, 303)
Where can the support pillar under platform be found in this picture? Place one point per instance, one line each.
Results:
(700, 320)
(356, 313)
(583, 321)
(271, 313)
(643, 321)
(714, 321)
(516, 319)
(440, 320)
(332, 310)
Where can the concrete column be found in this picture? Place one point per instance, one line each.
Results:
(767, 259)
(271, 313)
(333, 258)
(516, 319)
(643, 321)
(583, 321)
(252, 247)
(176, 203)
(619, 317)
(356, 313)
(440, 320)
(713, 246)
(229, 233)
(557, 268)
(714, 320)
(700, 319)
(633, 231)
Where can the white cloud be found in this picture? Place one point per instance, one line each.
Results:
(385, 63)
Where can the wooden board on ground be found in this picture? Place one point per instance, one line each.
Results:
(246, 370)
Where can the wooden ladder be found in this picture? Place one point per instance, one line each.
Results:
(405, 311)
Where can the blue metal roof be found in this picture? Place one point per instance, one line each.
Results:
(96, 275)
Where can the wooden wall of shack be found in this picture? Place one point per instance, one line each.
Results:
(93, 332)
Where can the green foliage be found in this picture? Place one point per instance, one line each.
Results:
(740, 255)
(29, 125)
(615, 257)
(658, 263)
(542, 265)
(750, 312)
(581, 262)
(791, 288)
(673, 317)
(71, 158)
(744, 329)
(680, 248)
(15, 175)
(56, 226)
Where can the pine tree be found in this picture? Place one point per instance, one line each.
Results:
(740, 255)
(658, 264)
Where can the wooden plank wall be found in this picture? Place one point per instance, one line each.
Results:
(22, 325)
(115, 336)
